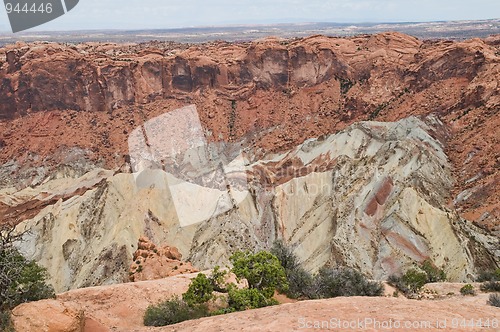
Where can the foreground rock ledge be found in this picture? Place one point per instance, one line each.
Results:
(121, 308)
(295, 316)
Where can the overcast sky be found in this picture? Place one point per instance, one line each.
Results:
(157, 14)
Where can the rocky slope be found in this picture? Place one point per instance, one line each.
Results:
(272, 147)
(373, 196)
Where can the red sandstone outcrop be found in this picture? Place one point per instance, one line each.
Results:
(49, 316)
(106, 308)
(151, 262)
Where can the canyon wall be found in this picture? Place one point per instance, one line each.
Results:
(302, 157)
(93, 95)
(372, 196)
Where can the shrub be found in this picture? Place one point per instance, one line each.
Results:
(5, 322)
(299, 280)
(173, 311)
(333, 282)
(262, 270)
(20, 280)
(218, 280)
(300, 284)
(25, 281)
(494, 300)
(248, 298)
(200, 290)
(409, 283)
(490, 286)
(489, 276)
(434, 274)
(264, 274)
(467, 290)
(413, 280)
(286, 257)
(222, 311)
(327, 283)
(202, 287)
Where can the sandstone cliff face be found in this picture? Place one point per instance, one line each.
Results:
(372, 195)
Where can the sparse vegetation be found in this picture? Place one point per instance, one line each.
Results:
(6, 322)
(494, 300)
(345, 85)
(493, 275)
(265, 273)
(329, 282)
(262, 270)
(467, 290)
(173, 311)
(409, 283)
(490, 286)
(377, 111)
(200, 291)
(412, 281)
(21, 280)
(248, 298)
(344, 281)
(299, 280)
(434, 274)
(232, 118)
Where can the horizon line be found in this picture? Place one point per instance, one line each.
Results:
(222, 26)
